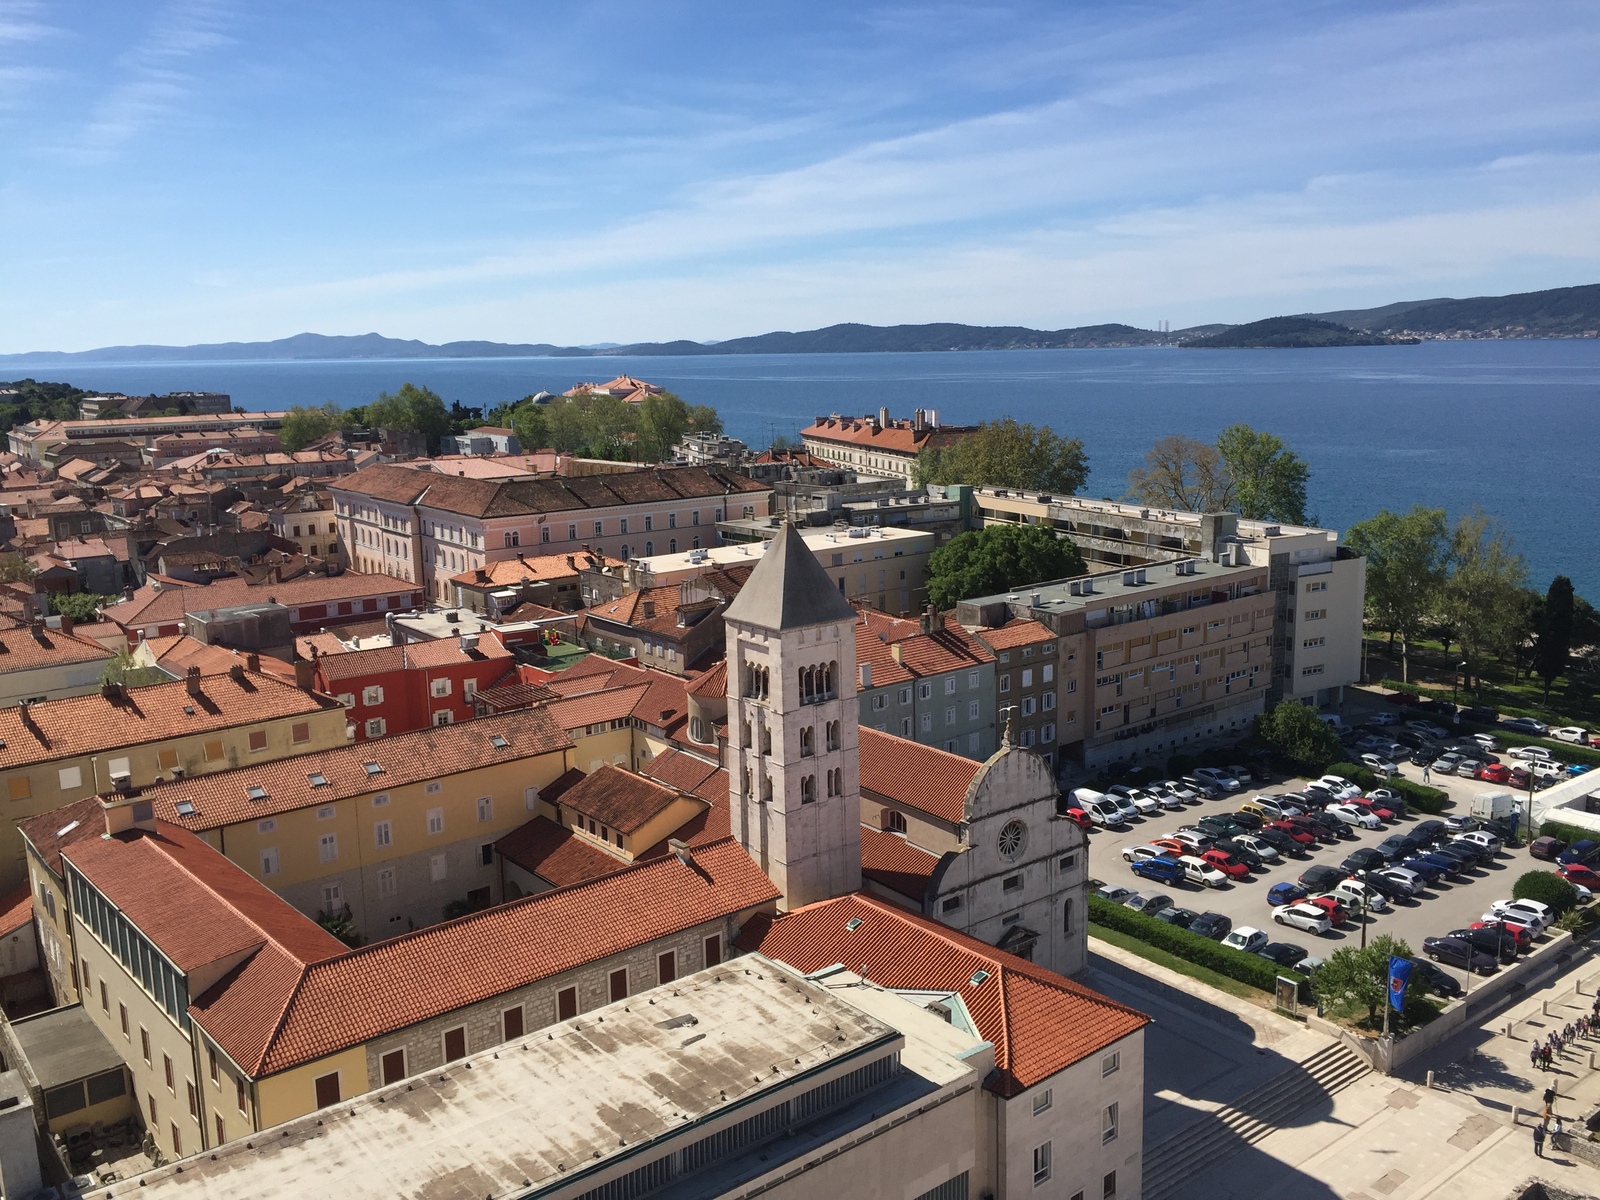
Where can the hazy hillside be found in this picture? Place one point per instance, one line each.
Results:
(1284, 333)
(1558, 312)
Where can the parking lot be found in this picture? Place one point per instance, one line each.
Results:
(1443, 907)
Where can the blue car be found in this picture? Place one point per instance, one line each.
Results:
(1443, 863)
(1577, 768)
(1285, 893)
(1583, 851)
(1430, 873)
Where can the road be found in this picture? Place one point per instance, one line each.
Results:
(1443, 907)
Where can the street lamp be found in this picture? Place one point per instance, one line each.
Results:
(1460, 672)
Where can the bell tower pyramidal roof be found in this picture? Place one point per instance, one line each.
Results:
(789, 589)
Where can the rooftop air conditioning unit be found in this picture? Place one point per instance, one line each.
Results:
(1075, 587)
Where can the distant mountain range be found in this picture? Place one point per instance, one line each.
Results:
(1557, 313)
(1294, 333)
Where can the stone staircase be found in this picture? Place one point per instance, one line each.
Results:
(1219, 1135)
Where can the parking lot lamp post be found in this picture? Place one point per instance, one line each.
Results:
(1364, 900)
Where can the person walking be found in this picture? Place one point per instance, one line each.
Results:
(1425, 773)
(1538, 1139)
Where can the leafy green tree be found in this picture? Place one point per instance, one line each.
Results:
(1546, 887)
(122, 669)
(80, 606)
(996, 559)
(303, 425)
(1407, 559)
(1555, 624)
(1268, 479)
(1354, 978)
(1483, 599)
(1296, 732)
(1181, 473)
(704, 419)
(16, 569)
(411, 407)
(662, 420)
(528, 423)
(1008, 454)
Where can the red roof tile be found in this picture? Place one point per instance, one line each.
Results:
(907, 773)
(16, 910)
(619, 799)
(389, 985)
(888, 859)
(50, 832)
(557, 855)
(1018, 631)
(1039, 1022)
(23, 650)
(713, 681)
(164, 607)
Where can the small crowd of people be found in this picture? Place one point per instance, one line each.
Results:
(1541, 1053)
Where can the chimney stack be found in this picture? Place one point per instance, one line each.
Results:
(681, 849)
(866, 677)
(129, 811)
(305, 675)
(191, 681)
(252, 662)
(235, 672)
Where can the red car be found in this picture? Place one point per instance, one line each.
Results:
(1079, 815)
(1226, 863)
(1335, 910)
(1520, 933)
(1493, 773)
(1377, 810)
(1581, 875)
(1301, 835)
(1171, 846)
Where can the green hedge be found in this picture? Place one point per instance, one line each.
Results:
(1235, 964)
(1567, 833)
(1416, 795)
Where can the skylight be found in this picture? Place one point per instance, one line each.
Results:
(318, 779)
(978, 977)
(186, 808)
(256, 792)
(499, 743)
(853, 924)
(372, 768)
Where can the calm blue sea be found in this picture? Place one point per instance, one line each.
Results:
(1508, 426)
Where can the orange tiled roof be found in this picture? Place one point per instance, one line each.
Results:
(49, 832)
(150, 607)
(223, 798)
(1019, 631)
(360, 995)
(16, 910)
(595, 707)
(709, 782)
(865, 432)
(1039, 1022)
(555, 854)
(23, 650)
(888, 859)
(534, 567)
(915, 776)
(94, 724)
(178, 653)
(439, 652)
(619, 799)
(713, 681)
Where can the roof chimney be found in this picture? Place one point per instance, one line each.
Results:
(129, 812)
(66, 623)
(235, 672)
(305, 675)
(866, 677)
(681, 849)
(896, 652)
(252, 662)
(191, 681)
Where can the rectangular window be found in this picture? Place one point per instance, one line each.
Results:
(972, 710)
(194, 1102)
(950, 715)
(1042, 1102)
(376, 726)
(394, 1066)
(1313, 643)
(949, 685)
(950, 904)
(372, 695)
(486, 852)
(1314, 670)
(1047, 701)
(566, 1004)
(511, 1023)
(300, 732)
(437, 868)
(168, 759)
(1319, 586)
(270, 864)
(1066, 916)
(211, 1064)
(927, 722)
(1315, 614)
(1047, 673)
(924, 691)
(384, 832)
(105, 999)
(455, 1043)
(1005, 683)
(1027, 677)
(1111, 1063)
(905, 695)
(122, 1016)
(1108, 1186)
(328, 847)
(71, 777)
(439, 687)
(1108, 1124)
(1011, 883)
(238, 1087)
(386, 882)
(1041, 1164)
(327, 1089)
(713, 950)
(619, 984)
(222, 1130)
(485, 810)
(177, 1142)
(258, 740)
(144, 1044)
(435, 821)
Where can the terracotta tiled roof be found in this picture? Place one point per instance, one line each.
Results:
(531, 567)
(865, 433)
(651, 610)
(912, 775)
(1039, 1022)
(93, 724)
(508, 697)
(16, 910)
(595, 707)
(22, 650)
(713, 681)
(619, 799)
(888, 859)
(150, 607)
(555, 854)
(49, 832)
(699, 778)
(178, 653)
(1019, 631)
(389, 985)
(194, 904)
(527, 497)
(383, 659)
(435, 752)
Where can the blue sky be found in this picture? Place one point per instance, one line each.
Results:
(209, 171)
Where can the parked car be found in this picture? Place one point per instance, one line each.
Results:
(1112, 893)
(1272, 808)
(1211, 925)
(1459, 953)
(1201, 787)
(1428, 729)
(1162, 869)
(1357, 894)
(1251, 821)
(1531, 753)
(1218, 777)
(1584, 850)
(1535, 914)
(1144, 805)
(1148, 904)
(1171, 787)
(1448, 867)
(1136, 853)
(1350, 814)
(1521, 934)
(1378, 808)
(1285, 893)
(1547, 848)
(1198, 871)
(1106, 813)
(1580, 875)
(1237, 849)
(1575, 734)
(1466, 856)
(1220, 826)
(1481, 837)
(1493, 773)
(1246, 938)
(1440, 983)
(1481, 852)
(1284, 954)
(1226, 863)
(1409, 882)
(1526, 725)
(1429, 832)
(1252, 843)
(1280, 841)
(1390, 889)
(1491, 939)
(1364, 859)
(1322, 878)
(1181, 917)
(1326, 824)
(1460, 823)
(1306, 917)
(1193, 840)
(1341, 787)
(1332, 906)
(1480, 716)
(1379, 764)
(1430, 872)
(1383, 718)
(1397, 846)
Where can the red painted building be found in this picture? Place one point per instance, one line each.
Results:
(395, 689)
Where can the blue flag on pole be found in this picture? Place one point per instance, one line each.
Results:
(1399, 976)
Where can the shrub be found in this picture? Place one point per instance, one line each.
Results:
(1416, 795)
(1546, 887)
(1567, 833)
(1296, 732)
(1235, 964)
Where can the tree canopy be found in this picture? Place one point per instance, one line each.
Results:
(1484, 600)
(1008, 454)
(1555, 629)
(996, 559)
(1354, 978)
(411, 407)
(303, 425)
(80, 606)
(1295, 731)
(1245, 471)
(1408, 557)
(1546, 887)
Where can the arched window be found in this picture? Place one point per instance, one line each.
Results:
(807, 737)
(808, 789)
(672, 546)
(624, 551)
(697, 729)
(744, 739)
(893, 822)
(649, 549)
(833, 735)
(838, 781)
(766, 740)
(766, 677)
(745, 790)
(696, 542)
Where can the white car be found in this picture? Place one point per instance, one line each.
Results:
(1302, 916)
(1171, 787)
(1352, 893)
(1383, 718)
(1479, 837)
(1247, 938)
(1341, 787)
(1530, 754)
(1427, 729)
(1376, 762)
(1351, 815)
(1132, 854)
(1198, 870)
(1535, 914)
(1487, 740)
(1571, 733)
(1217, 777)
(1265, 851)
